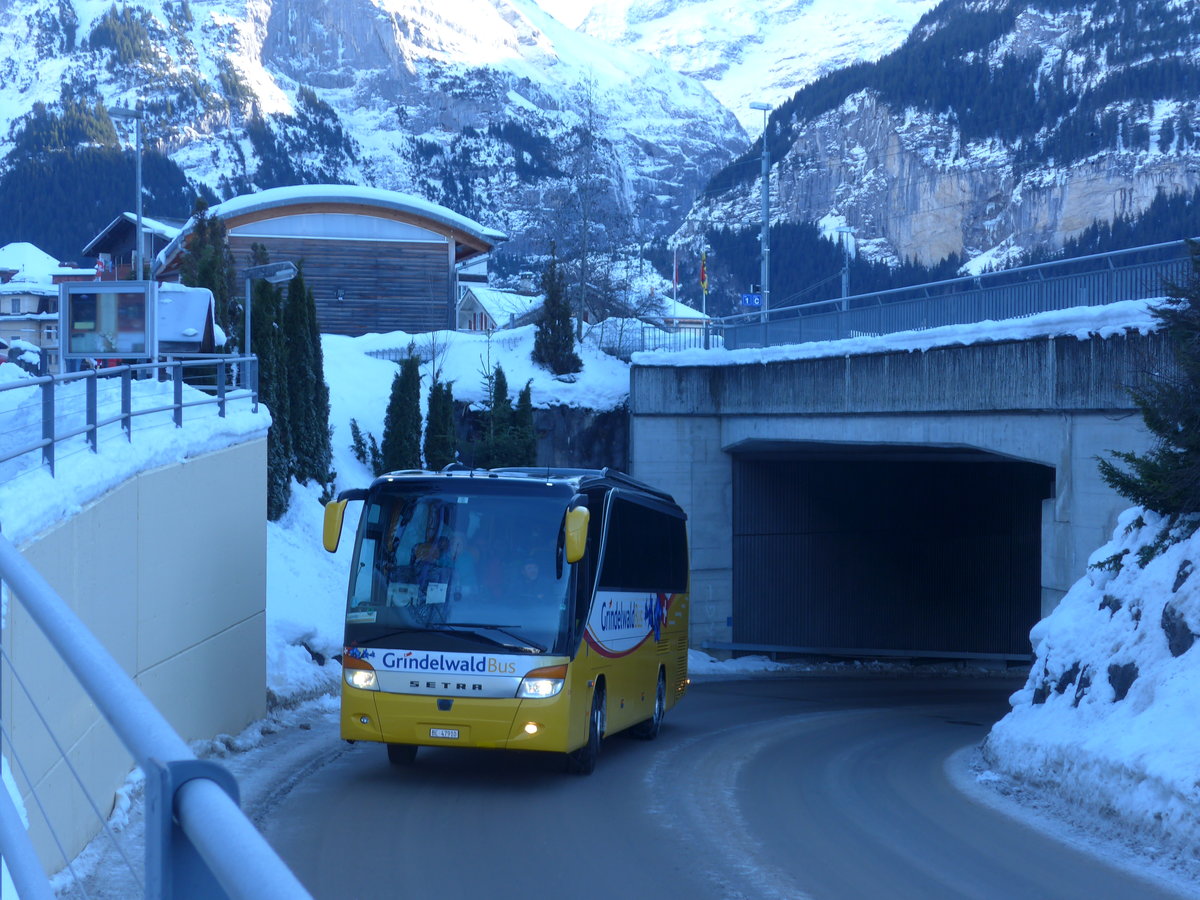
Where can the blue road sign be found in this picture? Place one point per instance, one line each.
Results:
(751, 299)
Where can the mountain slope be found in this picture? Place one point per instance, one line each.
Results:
(489, 106)
(999, 127)
(756, 52)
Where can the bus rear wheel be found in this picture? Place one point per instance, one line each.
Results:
(583, 760)
(648, 730)
(402, 754)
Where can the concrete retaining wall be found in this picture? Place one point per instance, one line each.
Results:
(169, 572)
(1060, 402)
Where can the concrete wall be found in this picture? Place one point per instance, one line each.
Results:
(169, 572)
(1059, 402)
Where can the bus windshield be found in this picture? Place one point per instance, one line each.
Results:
(460, 571)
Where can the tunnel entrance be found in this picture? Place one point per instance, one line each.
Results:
(853, 548)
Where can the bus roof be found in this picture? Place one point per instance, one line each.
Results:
(579, 479)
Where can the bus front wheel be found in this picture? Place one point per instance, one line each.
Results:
(402, 754)
(583, 760)
(648, 730)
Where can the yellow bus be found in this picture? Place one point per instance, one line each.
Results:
(526, 609)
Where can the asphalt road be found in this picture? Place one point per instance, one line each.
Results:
(815, 787)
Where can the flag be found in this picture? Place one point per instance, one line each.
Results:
(704, 273)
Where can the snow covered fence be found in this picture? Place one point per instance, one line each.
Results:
(73, 409)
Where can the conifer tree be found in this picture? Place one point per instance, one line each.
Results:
(208, 262)
(524, 432)
(308, 394)
(440, 436)
(266, 308)
(1167, 478)
(401, 447)
(554, 343)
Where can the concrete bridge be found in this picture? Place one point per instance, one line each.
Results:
(924, 504)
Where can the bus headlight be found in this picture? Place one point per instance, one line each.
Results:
(360, 676)
(542, 683)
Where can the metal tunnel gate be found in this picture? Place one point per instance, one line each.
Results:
(907, 553)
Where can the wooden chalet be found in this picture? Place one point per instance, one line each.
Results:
(376, 260)
(113, 248)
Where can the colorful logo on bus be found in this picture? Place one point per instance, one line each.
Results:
(620, 622)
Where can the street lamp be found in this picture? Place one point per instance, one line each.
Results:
(136, 115)
(765, 239)
(272, 273)
(845, 231)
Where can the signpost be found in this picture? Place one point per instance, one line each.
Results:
(752, 300)
(107, 320)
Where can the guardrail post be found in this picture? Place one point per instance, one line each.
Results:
(127, 403)
(252, 375)
(174, 870)
(177, 377)
(48, 423)
(90, 391)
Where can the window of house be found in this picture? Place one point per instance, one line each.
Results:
(15, 305)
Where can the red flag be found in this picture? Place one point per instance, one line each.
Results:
(704, 273)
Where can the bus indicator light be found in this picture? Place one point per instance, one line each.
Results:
(532, 727)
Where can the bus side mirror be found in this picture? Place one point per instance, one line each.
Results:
(577, 527)
(335, 512)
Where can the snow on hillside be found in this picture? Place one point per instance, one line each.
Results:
(753, 52)
(1107, 718)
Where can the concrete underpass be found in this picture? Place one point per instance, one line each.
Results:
(929, 503)
(858, 549)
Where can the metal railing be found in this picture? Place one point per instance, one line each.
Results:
(41, 412)
(199, 844)
(1135, 274)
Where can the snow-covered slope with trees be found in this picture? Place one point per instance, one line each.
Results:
(999, 127)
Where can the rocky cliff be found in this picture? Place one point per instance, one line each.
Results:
(1044, 118)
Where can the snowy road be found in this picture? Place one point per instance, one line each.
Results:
(821, 787)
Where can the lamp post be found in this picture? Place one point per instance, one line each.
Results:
(765, 239)
(136, 115)
(272, 273)
(845, 231)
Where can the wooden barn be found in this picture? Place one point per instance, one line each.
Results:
(376, 260)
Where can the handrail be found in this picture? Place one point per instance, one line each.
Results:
(245, 386)
(1006, 293)
(1013, 274)
(191, 810)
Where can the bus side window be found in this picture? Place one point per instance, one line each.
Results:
(646, 550)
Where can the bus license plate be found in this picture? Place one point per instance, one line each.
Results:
(449, 733)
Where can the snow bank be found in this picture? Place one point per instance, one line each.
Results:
(1107, 718)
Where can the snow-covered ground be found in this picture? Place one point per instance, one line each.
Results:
(1125, 769)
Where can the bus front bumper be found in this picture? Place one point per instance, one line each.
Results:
(513, 724)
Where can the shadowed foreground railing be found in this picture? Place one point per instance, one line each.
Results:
(199, 844)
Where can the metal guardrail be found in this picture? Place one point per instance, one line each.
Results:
(199, 844)
(221, 379)
(1134, 274)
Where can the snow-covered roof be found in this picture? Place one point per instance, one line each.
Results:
(182, 313)
(337, 193)
(674, 309)
(32, 288)
(30, 263)
(164, 230)
(504, 306)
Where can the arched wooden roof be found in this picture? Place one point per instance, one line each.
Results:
(469, 237)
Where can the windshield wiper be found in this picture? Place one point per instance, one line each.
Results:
(387, 634)
(525, 643)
